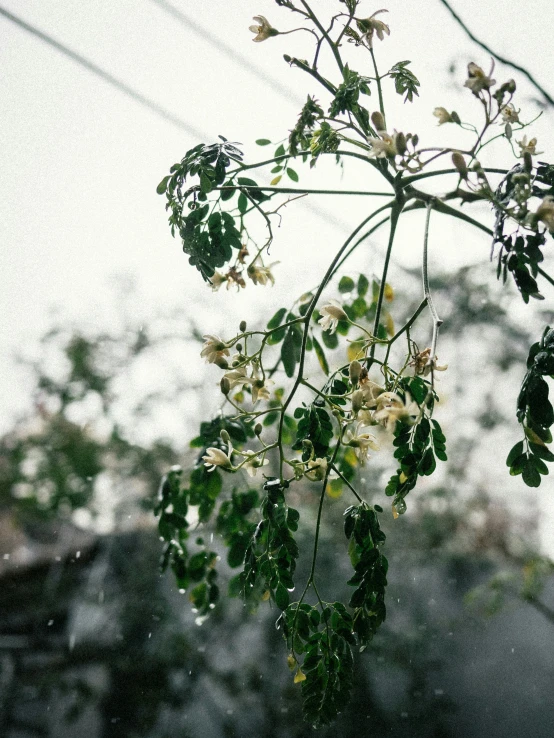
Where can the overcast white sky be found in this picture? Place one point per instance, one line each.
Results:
(80, 160)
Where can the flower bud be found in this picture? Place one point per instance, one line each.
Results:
(258, 428)
(357, 401)
(221, 362)
(239, 347)
(455, 117)
(460, 163)
(354, 371)
(225, 385)
(378, 121)
(225, 436)
(527, 162)
(400, 143)
(242, 326)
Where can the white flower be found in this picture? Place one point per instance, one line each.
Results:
(370, 392)
(261, 274)
(213, 349)
(422, 365)
(509, 114)
(331, 313)
(443, 115)
(264, 29)
(317, 468)
(391, 408)
(382, 147)
(362, 442)
(528, 147)
(260, 390)
(237, 377)
(216, 457)
(373, 26)
(545, 212)
(216, 280)
(254, 463)
(477, 79)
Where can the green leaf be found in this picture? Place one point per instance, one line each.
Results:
(277, 319)
(292, 174)
(206, 184)
(162, 187)
(542, 451)
(279, 151)
(281, 597)
(288, 354)
(363, 285)
(346, 284)
(263, 141)
(321, 356)
(516, 451)
(329, 339)
(531, 475)
(242, 203)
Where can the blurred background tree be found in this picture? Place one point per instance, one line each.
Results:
(94, 640)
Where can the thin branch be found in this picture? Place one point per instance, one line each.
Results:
(499, 58)
(395, 214)
(345, 480)
(437, 322)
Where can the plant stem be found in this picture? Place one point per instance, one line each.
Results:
(437, 322)
(395, 214)
(379, 87)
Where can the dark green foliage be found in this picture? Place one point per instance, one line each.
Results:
(271, 552)
(416, 448)
(326, 634)
(348, 92)
(325, 638)
(314, 424)
(361, 527)
(535, 413)
(301, 134)
(405, 81)
(291, 348)
(208, 234)
(203, 491)
(233, 524)
(520, 253)
(196, 570)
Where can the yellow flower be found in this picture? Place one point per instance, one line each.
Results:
(477, 79)
(264, 29)
(331, 313)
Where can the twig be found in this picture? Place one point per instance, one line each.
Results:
(437, 322)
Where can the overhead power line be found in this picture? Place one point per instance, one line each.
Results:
(230, 52)
(138, 97)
